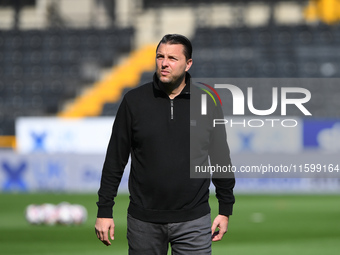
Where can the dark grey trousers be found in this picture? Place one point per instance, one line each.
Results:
(185, 238)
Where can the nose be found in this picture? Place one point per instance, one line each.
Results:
(165, 62)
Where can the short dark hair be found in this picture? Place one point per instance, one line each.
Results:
(178, 39)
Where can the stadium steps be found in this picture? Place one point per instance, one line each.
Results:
(7, 141)
(110, 88)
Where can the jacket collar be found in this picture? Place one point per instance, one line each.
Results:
(160, 92)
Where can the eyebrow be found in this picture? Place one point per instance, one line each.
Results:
(170, 55)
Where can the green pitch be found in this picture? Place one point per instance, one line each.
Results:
(260, 225)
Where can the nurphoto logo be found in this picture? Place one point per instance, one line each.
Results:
(238, 106)
(204, 97)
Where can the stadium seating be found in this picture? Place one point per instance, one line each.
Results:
(110, 109)
(272, 51)
(267, 52)
(40, 69)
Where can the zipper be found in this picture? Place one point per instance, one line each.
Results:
(171, 109)
(172, 105)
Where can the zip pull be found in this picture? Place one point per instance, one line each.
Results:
(171, 109)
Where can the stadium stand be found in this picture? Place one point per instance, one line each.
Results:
(110, 109)
(273, 52)
(109, 89)
(41, 69)
(279, 51)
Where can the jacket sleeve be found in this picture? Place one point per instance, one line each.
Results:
(117, 156)
(219, 155)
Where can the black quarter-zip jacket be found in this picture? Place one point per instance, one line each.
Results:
(155, 130)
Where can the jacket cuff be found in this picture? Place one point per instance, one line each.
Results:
(104, 212)
(225, 209)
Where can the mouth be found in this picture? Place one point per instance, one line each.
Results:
(164, 72)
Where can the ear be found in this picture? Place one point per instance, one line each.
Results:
(189, 64)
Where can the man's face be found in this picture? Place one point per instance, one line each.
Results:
(171, 63)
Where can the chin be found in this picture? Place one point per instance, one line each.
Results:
(165, 80)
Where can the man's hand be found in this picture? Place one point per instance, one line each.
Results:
(220, 222)
(103, 227)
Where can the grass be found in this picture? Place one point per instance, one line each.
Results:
(261, 224)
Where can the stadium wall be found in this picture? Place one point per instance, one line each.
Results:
(80, 173)
(58, 155)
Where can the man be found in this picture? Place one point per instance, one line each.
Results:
(166, 205)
